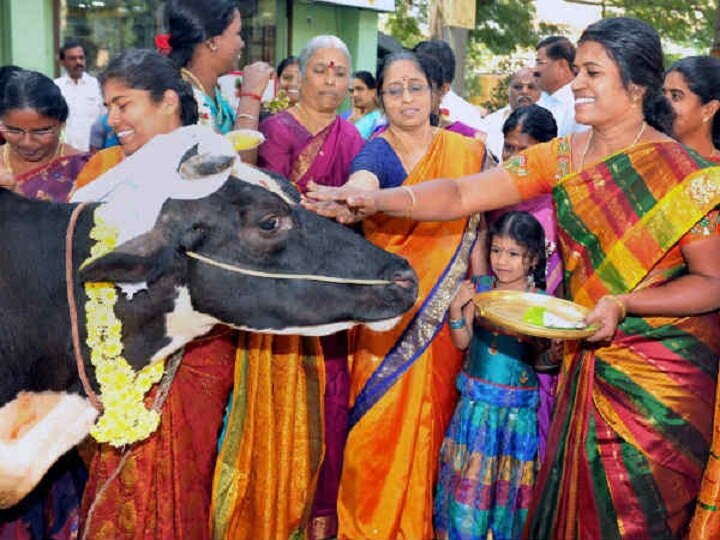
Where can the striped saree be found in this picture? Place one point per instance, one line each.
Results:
(633, 423)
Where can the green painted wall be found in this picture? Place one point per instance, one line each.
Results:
(356, 27)
(26, 27)
(281, 36)
(4, 33)
(26, 32)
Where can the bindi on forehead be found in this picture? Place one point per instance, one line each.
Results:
(330, 64)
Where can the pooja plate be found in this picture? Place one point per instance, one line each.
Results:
(245, 139)
(533, 314)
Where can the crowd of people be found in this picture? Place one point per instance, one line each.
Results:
(597, 183)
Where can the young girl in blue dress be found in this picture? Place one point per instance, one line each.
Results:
(488, 459)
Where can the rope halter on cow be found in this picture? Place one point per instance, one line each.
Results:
(269, 275)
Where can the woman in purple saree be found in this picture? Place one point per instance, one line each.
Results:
(279, 466)
(301, 156)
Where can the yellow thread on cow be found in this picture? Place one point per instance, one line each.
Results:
(125, 418)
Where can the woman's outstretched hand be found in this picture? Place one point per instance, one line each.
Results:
(608, 315)
(345, 204)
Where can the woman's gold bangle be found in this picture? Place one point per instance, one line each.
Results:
(410, 193)
(618, 302)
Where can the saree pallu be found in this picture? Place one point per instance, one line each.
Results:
(279, 466)
(402, 381)
(633, 420)
(270, 459)
(298, 155)
(54, 181)
(163, 490)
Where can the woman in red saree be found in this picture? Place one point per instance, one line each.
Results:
(280, 460)
(638, 226)
(161, 490)
(36, 164)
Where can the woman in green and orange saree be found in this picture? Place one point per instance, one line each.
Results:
(638, 226)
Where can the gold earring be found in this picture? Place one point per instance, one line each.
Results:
(212, 47)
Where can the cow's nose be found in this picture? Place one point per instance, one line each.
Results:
(407, 279)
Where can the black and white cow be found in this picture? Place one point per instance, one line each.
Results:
(240, 225)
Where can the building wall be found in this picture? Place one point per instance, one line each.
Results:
(356, 27)
(26, 34)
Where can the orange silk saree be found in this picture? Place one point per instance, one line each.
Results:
(403, 381)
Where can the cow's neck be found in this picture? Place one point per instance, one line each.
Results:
(155, 326)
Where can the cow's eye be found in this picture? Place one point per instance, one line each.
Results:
(269, 223)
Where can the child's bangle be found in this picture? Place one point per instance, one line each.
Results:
(456, 324)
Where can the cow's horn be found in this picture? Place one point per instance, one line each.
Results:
(203, 165)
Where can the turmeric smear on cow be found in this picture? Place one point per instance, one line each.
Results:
(125, 417)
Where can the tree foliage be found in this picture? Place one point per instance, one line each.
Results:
(406, 23)
(504, 26)
(686, 22)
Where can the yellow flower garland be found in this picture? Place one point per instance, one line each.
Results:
(125, 418)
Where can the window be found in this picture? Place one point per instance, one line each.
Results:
(107, 27)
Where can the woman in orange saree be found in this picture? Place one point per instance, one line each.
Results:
(638, 224)
(402, 381)
(161, 488)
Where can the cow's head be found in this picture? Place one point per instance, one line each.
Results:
(255, 259)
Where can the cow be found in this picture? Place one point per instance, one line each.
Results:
(241, 254)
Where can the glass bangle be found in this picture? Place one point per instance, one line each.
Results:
(456, 324)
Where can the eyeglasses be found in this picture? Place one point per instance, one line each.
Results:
(12, 133)
(396, 91)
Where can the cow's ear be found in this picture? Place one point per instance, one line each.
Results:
(144, 258)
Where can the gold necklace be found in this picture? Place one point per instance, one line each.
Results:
(589, 140)
(306, 120)
(406, 155)
(59, 151)
(190, 77)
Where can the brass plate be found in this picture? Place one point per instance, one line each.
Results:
(507, 309)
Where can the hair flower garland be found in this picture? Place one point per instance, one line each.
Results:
(279, 103)
(125, 418)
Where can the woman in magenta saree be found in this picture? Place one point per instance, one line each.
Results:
(288, 421)
(292, 151)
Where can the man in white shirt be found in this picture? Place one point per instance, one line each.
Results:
(456, 108)
(524, 90)
(555, 56)
(82, 93)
